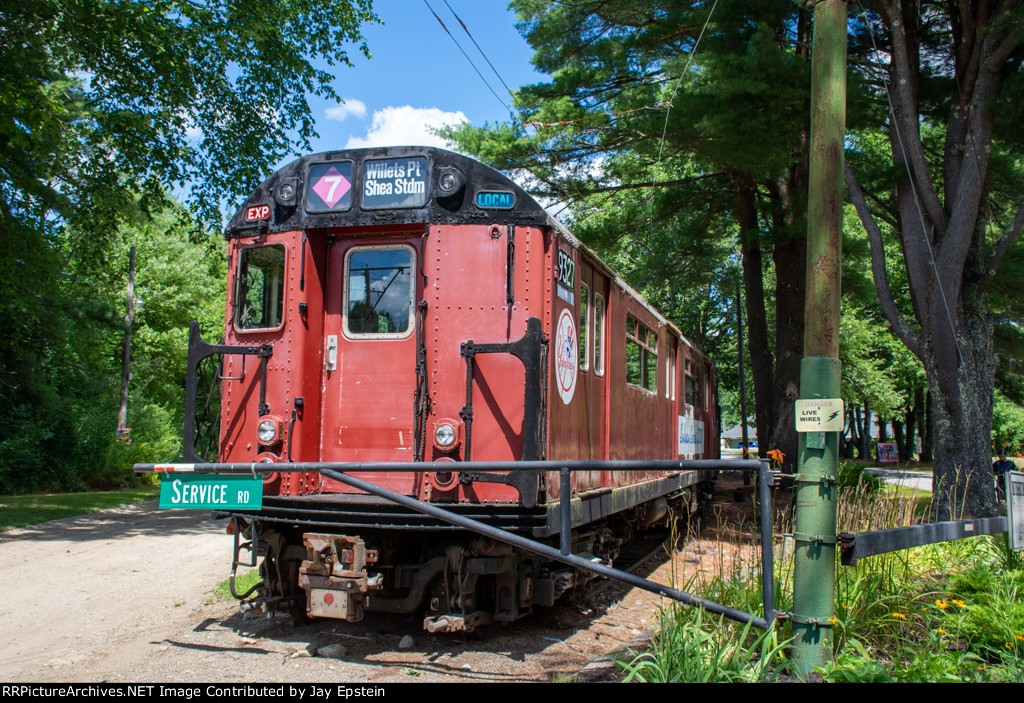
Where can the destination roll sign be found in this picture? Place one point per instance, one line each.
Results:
(395, 183)
(820, 415)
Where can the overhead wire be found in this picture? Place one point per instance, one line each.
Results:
(459, 46)
(554, 181)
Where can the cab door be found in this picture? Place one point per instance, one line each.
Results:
(369, 375)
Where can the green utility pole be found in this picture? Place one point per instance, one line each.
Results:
(819, 409)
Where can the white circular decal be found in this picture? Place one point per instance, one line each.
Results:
(567, 356)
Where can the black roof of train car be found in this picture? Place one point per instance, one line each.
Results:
(479, 194)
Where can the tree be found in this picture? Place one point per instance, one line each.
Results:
(694, 143)
(952, 77)
(106, 106)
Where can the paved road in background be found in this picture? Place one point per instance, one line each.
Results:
(901, 477)
(912, 479)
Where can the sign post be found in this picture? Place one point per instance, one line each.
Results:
(817, 480)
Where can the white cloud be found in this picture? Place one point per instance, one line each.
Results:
(406, 126)
(348, 108)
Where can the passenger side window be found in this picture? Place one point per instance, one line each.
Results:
(598, 334)
(641, 355)
(584, 324)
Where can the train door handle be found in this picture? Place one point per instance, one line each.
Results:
(332, 352)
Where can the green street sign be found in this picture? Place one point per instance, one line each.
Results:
(210, 491)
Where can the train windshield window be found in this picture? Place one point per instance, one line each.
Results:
(260, 288)
(641, 356)
(379, 291)
(598, 334)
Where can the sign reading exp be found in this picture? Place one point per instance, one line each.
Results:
(395, 183)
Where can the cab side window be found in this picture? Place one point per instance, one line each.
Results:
(260, 297)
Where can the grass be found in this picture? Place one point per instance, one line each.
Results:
(243, 582)
(946, 612)
(21, 511)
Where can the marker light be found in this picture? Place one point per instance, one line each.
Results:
(287, 189)
(444, 435)
(449, 181)
(267, 432)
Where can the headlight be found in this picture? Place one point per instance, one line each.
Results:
(444, 435)
(267, 432)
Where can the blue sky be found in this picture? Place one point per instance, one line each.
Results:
(418, 78)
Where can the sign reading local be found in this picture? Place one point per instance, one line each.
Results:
(820, 415)
(211, 491)
(395, 183)
(495, 200)
(330, 187)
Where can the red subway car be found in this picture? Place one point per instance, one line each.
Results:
(413, 305)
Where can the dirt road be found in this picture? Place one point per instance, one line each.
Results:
(125, 595)
(82, 596)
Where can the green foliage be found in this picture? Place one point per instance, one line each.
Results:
(854, 476)
(1007, 424)
(174, 92)
(693, 648)
(945, 612)
(106, 107)
(61, 435)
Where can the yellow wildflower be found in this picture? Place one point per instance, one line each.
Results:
(957, 603)
(833, 621)
(1018, 637)
(942, 630)
(942, 604)
(901, 616)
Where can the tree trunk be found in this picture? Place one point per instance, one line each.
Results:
(761, 362)
(788, 200)
(961, 387)
(865, 432)
(948, 258)
(852, 424)
(910, 423)
(901, 443)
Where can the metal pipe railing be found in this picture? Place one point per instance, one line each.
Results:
(338, 471)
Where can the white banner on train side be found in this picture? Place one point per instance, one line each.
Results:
(691, 436)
